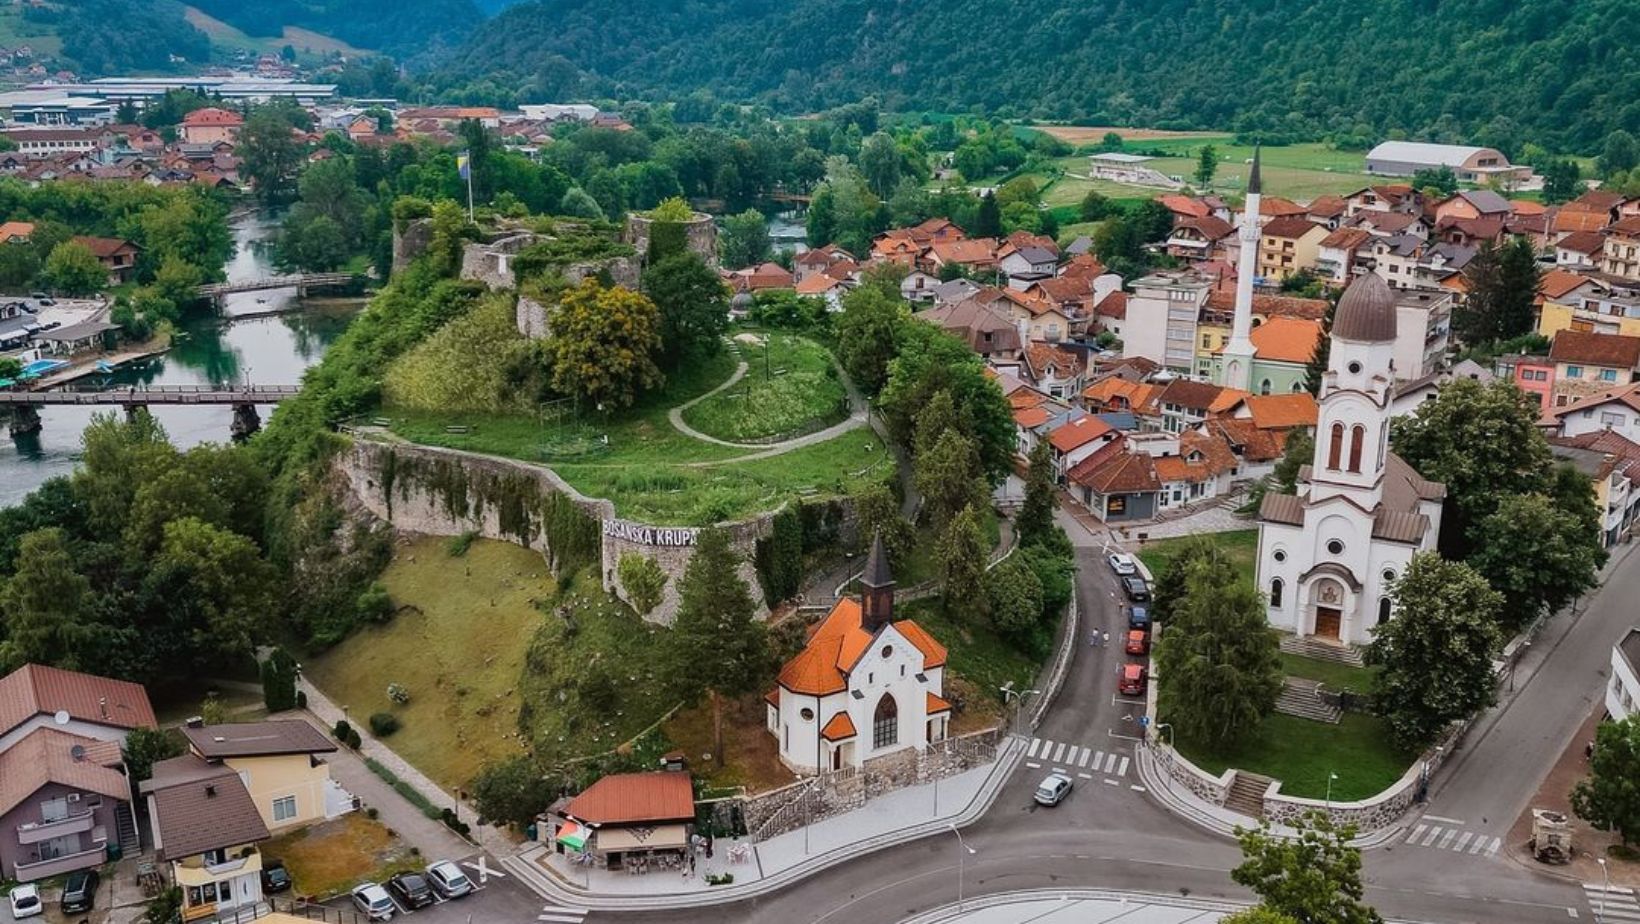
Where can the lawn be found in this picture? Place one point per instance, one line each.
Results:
(1298, 171)
(1334, 676)
(1301, 754)
(1240, 545)
(334, 856)
(979, 662)
(457, 642)
(790, 388)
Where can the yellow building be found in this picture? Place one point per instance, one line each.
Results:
(1212, 331)
(1287, 245)
(280, 765)
(206, 828)
(1556, 317)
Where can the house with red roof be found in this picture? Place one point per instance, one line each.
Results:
(865, 686)
(211, 126)
(627, 816)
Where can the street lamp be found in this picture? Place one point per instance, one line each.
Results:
(968, 852)
(1010, 695)
(1331, 777)
(1599, 916)
(1169, 727)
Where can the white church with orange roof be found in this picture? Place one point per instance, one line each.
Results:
(865, 686)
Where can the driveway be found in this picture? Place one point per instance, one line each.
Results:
(499, 899)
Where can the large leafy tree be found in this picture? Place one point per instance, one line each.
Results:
(877, 513)
(716, 646)
(868, 333)
(1014, 595)
(931, 360)
(1035, 520)
(1207, 164)
(270, 154)
(220, 587)
(603, 344)
(1610, 798)
(74, 270)
(44, 605)
(145, 747)
(1436, 653)
(1539, 553)
(1219, 665)
(745, 239)
(1314, 878)
(948, 478)
(513, 789)
(693, 304)
(962, 554)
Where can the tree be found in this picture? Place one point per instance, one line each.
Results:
(1316, 369)
(1436, 653)
(1014, 596)
(74, 270)
(1173, 577)
(10, 367)
(988, 223)
(868, 335)
(279, 681)
(694, 307)
(717, 645)
(177, 281)
(1314, 878)
(1562, 181)
(1609, 798)
(1035, 519)
(511, 790)
(603, 343)
(643, 580)
(948, 478)
(1219, 664)
(1297, 453)
(1619, 154)
(145, 747)
(221, 588)
(931, 360)
(1503, 282)
(1539, 552)
(880, 162)
(578, 204)
(1207, 164)
(44, 605)
(270, 155)
(877, 513)
(1441, 180)
(1096, 206)
(744, 240)
(962, 554)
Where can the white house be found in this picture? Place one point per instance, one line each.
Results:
(865, 686)
(1328, 554)
(918, 286)
(1616, 409)
(1623, 693)
(1030, 261)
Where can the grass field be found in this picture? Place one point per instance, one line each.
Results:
(1335, 676)
(457, 642)
(790, 388)
(333, 856)
(1299, 171)
(1302, 753)
(16, 31)
(1240, 545)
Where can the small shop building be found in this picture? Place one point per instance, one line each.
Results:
(628, 818)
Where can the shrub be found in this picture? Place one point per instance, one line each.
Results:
(383, 724)
(398, 693)
(374, 605)
(279, 681)
(301, 699)
(720, 878)
(343, 730)
(371, 813)
(458, 545)
(643, 580)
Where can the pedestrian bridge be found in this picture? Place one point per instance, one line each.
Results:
(24, 406)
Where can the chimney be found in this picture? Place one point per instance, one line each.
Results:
(102, 706)
(877, 599)
(195, 722)
(210, 790)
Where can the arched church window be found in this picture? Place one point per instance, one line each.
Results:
(1358, 435)
(1335, 449)
(1275, 591)
(1264, 387)
(1383, 610)
(885, 724)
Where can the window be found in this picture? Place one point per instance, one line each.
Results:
(1264, 387)
(1279, 555)
(1610, 419)
(1335, 449)
(1574, 372)
(284, 808)
(1354, 367)
(887, 652)
(1608, 375)
(1389, 576)
(1334, 547)
(1275, 592)
(885, 724)
(806, 714)
(1383, 610)
(1358, 435)
(1207, 341)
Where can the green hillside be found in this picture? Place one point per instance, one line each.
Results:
(1562, 73)
(404, 28)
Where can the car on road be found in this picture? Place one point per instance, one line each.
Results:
(1139, 618)
(25, 902)
(275, 878)
(1131, 681)
(1138, 642)
(412, 890)
(1122, 563)
(80, 891)
(1053, 789)
(373, 902)
(448, 880)
(1136, 588)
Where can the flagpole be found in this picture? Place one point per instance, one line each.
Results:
(469, 186)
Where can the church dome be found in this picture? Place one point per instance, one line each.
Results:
(1366, 311)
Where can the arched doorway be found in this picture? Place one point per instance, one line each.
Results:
(1327, 598)
(885, 723)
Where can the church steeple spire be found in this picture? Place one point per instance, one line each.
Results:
(877, 595)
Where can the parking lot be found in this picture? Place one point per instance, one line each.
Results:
(497, 897)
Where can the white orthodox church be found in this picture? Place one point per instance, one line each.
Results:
(864, 686)
(1328, 554)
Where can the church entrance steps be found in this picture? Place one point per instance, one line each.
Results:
(1246, 794)
(1302, 698)
(1322, 651)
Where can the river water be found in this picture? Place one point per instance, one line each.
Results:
(209, 351)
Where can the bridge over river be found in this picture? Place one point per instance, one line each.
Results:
(301, 282)
(24, 406)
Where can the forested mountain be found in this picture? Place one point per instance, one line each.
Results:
(405, 28)
(111, 36)
(1565, 72)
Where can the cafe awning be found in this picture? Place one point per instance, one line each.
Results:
(663, 837)
(572, 835)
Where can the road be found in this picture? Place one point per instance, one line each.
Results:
(1108, 834)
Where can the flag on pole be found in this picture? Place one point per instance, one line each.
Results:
(464, 165)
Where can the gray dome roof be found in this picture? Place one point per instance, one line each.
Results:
(1366, 311)
(742, 300)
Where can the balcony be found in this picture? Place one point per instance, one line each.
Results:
(67, 863)
(74, 823)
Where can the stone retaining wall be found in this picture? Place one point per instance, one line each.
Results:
(491, 263)
(1377, 812)
(700, 235)
(1206, 787)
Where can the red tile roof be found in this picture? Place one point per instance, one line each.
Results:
(1557, 282)
(1283, 412)
(210, 115)
(46, 755)
(35, 689)
(836, 645)
(839, 728)
(1118, 473)
(635, 798)
(1079, 433)
(936, 705)
(1288, 226)
(1587, 347)
(1287, 340)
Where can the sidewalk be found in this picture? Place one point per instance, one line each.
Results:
(890, 819)
(1075, 906)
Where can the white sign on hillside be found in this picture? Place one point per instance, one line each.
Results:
(650, 535)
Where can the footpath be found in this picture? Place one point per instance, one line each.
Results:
(888, 820)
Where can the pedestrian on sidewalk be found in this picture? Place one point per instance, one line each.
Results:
(1106, 641)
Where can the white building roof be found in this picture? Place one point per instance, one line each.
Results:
(1419, 152)
(1117, 157)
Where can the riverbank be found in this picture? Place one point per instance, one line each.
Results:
(88, 364)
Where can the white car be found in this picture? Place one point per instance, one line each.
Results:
(1053, 789)
(373, 902)
(1123, 564)
(447, 879)
(25, 902)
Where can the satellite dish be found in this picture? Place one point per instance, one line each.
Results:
(61, 718)
(77, 752)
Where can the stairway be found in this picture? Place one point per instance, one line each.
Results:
(1246, 794)
(126, 824)
(1301, 698)
(1311, 647)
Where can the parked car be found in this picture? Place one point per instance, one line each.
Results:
(373, 902)
(1131, 682)
(275, 878)
(448, 880)
(80, 891)
(1053, 789)
(1122, 563)
(412, 890)
(1139, 618)
(1136, 588)
(25, 902)
(1138, 642)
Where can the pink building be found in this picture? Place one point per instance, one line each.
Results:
(1534, 375)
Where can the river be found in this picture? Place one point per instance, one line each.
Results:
(210, 351)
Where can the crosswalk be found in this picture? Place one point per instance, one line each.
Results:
(1085, 762)
(1453, 838)
(1619, 903)
(557, 914)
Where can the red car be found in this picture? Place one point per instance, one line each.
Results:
(1132, 680)
(1138, 643)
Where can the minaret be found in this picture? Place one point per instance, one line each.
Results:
(877, 594)
(1238, 350)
